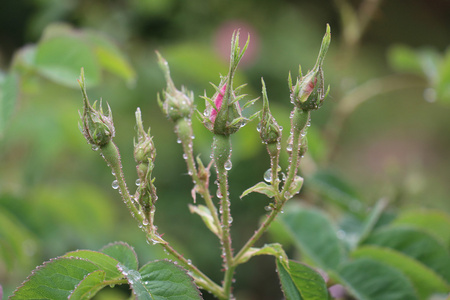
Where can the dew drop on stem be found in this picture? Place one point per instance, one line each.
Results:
(268, 175)
(138, 182)
(228, 165)
(115, 184)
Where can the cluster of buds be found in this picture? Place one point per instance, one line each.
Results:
(175, 104)
(97, 128)
(309, 92)
(223, 114)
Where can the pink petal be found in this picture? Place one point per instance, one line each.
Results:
(218, 102)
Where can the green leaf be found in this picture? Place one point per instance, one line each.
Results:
(336, 190)
(123, 253)
(368, 279)
(110, 57)
(103, 261)
(89, 286)
(296, 185)
(404, 59)
(416, 244)
(300, 282)
(16, 241)
(60, 59)
(372, 219)
(425, 281)
(262, 188)
(9, 93)
(160, 280)
(304, 225)
(433, 222)
(274, 249)
(55, 279)
(206, 216)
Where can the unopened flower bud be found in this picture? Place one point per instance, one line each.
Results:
(144, 149)
(223, 114)
(269, 130)
(176, 104)
(309, 92)
(98, 128)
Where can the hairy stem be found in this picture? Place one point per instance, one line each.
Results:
(200, 278)
(221, 154)
(299, 120)
(111, 154)
(183, 128)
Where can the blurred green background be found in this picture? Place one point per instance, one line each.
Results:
(384, 130)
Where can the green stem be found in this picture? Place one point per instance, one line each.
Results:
(274, 152)
(221, 155)
(201, 279)
(299, 120)
(111, 154)
(183, 128)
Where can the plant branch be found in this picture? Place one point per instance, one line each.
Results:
(111, 154)
(183, 128)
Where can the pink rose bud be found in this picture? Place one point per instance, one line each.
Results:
(218, 102)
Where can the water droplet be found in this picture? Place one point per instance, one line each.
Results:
(95, 147)
(230, 220)
(189, 262)
(228, 165)
(218, 194)
(145, 222)
(138, 182)
(185, 156)
(289, 147)
(179, 141)
(115, 184)
(268, 208)
(268, 175)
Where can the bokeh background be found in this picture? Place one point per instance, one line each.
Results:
(384, 131)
